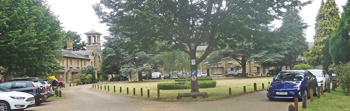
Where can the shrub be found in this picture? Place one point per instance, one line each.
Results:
(78, 78)
(199, 79)
(182, 85)
(343, 77)
(302, 67)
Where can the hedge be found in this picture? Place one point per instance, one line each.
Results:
(182, 85)
(199, 79)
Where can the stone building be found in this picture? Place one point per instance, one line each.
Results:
(73, 62)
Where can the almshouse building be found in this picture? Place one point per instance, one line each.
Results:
(73, 62)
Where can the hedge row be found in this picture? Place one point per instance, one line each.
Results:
(182, 85)
(199, 79)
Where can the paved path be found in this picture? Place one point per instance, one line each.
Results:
(83, 98)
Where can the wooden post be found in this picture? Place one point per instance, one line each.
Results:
(244, 89)
(134, 91)
(141, 92)
(333, 86)
(127, 90)
(108, 88)
(158, 93)
(229, 91)
(304, 99)
(148, 93)
(296, 103)
(255, 89)
(329, 87)
(321, 89)
(311, 95)
(56, 93)
(59, 93)
(105, 87)
(120, 90)
(318, 92)
(70, 85)
(113, 88)
(291, 107)
(263, 87)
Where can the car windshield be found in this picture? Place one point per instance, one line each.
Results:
(317, 73)
(6, 84)
(289, 76)
(2, 89)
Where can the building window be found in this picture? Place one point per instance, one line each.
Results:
(62, 62)
(78, 62)
(61, 76)
(217, 71)
(71, 63)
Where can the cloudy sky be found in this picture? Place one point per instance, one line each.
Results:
(79, 16)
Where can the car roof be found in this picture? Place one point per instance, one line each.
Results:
(315, 70)
(293, 70)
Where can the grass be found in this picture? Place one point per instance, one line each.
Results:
(334, 101)
(219, 92)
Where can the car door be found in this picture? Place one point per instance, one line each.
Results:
(310, 80)
(326, 76)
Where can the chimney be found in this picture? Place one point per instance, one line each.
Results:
(70, 45)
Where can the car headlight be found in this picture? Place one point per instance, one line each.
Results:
(297, 86)
(17, 97)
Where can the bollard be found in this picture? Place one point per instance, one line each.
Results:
(120, 90)
(255, 89)
(148, 93)
(105, 88)
(329, 87)
(263, 86)
(291, 107)
(108, 88)
(141, 92)
(244, 89)
(127, 90)
(311, 95)
(333, 86)
(59, 93)
(114, 89)
(229, 91)
(158, 93)
(318, 92)
(321, 89)
(304, 99)
(134, 91)
(56, 93)
(296, 103)
(70, 85)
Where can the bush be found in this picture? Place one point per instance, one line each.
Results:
(199, 79)
(78, 78)
(182, 85)
(302, 67)
(343, 77)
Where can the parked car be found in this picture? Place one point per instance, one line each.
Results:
(166, 76)
(27, 87)
(13, 100)
(230, 73)
(322, 77)
(202, 74)
(156, 75)
(144, 75)
(332, 74)
(38, 83)
(292, 83)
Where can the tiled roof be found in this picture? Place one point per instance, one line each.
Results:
(73, 54)
(84, 52)
(92, 32)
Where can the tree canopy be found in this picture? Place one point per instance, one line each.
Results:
(340, 41)
(326, 23)
(30, 38)
(75, 37)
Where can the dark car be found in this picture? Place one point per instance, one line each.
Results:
(292, 83)
(42, 85)
(332, 75)
(25, 86)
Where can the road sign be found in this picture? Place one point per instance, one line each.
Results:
(193, 77)
(193, 72)
(193, 61)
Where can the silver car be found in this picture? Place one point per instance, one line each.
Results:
(322, 77)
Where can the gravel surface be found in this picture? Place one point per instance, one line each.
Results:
(83, 98)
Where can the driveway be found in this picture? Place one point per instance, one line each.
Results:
(83, 98)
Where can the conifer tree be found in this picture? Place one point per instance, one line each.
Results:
(339, 43)
(326, 22)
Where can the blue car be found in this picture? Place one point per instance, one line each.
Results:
(292, 83)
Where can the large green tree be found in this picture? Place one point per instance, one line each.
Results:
(111, 57)
(30, 38)
(326, 23)
(339, 43)
(173, 60)
(185, 24)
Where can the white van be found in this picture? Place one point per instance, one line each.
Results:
(156, 75)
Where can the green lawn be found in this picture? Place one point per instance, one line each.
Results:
(219, 92)
(334, 101)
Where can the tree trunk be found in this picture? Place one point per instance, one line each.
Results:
(194, 84)
(139, 75)
(130, 77)
(244, 66)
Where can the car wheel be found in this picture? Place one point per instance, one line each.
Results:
(4, 106)
(37, 101)
(271, 99)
